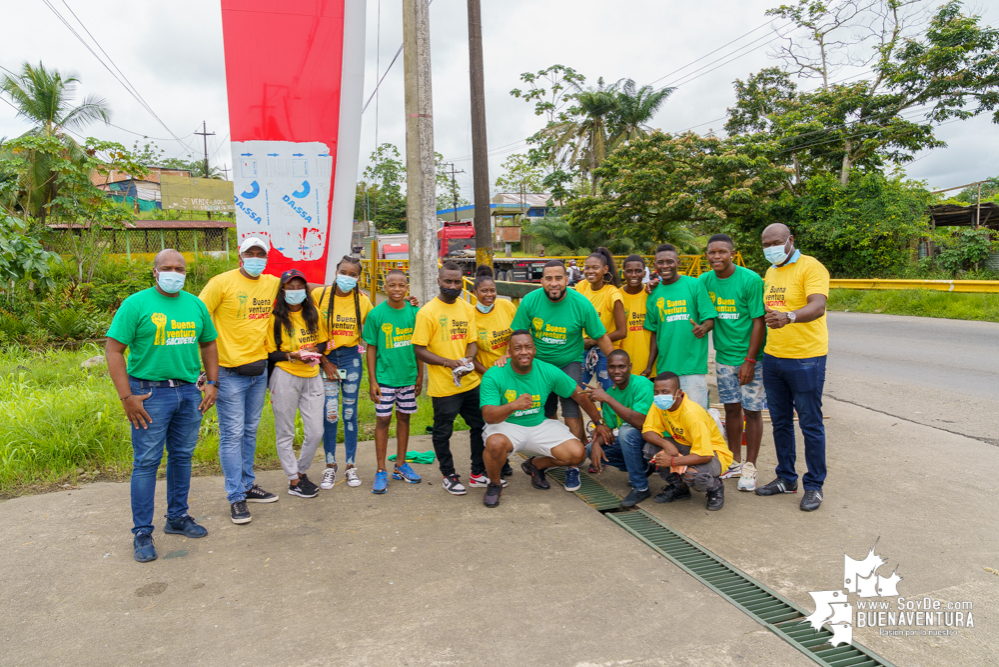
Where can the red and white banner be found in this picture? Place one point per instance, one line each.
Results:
(295, 77)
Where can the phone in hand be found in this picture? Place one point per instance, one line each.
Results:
(201, 381)
(341, 373)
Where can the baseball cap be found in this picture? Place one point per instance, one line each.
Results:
(292, 273)
(251, 242)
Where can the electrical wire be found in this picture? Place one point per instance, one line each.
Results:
(712, 52)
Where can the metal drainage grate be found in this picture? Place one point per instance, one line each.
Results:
(779, 615)
(595, 494)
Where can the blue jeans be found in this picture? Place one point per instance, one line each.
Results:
(346, 359)
(603, 379)
(240, 403)
(796, 384)
(176, 420)
(625, 453)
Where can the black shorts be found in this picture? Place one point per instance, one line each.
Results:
(570, 409)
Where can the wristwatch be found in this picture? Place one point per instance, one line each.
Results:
(791, 317)
(214, 383)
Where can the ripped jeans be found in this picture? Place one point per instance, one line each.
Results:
(603, 379)
(346, 359)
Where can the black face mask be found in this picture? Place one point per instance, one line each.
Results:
(450, 293)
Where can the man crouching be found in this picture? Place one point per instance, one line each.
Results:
(512, 398)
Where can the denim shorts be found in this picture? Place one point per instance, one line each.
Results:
(752, 395)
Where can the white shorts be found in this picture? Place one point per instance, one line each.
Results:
(540, 439)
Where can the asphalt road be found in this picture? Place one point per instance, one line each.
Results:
(937, 372)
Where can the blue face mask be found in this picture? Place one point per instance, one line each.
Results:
(663, 401)
(294, 296)
(171, 282)
(254, 265)
(345, 283)
(776, 255)
(484, 308)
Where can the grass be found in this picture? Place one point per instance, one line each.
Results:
(63, 424)
(921, 303)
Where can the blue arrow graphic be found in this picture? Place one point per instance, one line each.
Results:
(324, 155)
(298, 154)
(246, 154)
(272, 154)
(254, 191)
(303, 192)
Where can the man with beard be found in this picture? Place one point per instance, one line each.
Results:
(556, 316)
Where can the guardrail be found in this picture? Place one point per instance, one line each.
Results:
(968, 286)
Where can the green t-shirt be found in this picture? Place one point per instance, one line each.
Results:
(738, 299)
(637, 396)
(390, 330)
(162, 334)
(558, 327)
(503, 385)
(670, 309)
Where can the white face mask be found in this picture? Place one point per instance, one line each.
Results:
(776, 255)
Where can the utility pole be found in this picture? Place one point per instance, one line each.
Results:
(480, 151)
(205, 134)
(225, 168)
(421, 209)
(454, 187)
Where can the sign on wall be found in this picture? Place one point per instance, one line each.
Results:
(183, 193)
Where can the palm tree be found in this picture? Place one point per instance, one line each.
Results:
(582, 140)
(45, 99)
(636, 106)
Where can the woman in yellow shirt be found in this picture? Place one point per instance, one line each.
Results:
(638, 341)
(293, 332)
(493, 318)
(601, 287)
(343, 308)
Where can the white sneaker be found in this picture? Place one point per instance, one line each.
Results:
(329, 478)
(747, 482)
(734, 470)
(353, 479)
(453, 485)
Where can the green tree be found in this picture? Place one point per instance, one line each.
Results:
(520, 175)
(21, 256)
(635, 108)
(448, 191)
(388, 171)
(151, 155)
(990, 192)
(45, 98)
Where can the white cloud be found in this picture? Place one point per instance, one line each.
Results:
(172, 52)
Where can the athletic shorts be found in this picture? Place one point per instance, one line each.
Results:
(570, 409)
(540, 439)
(752, 396)
(403, 398)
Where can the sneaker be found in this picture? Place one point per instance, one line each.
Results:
(381, 482)
(406, 473)
(239, 512)
(303, 488)
(185, 525)
(257, 495)
(779, 485)
(716, 498)
(353, 479)
(144, 549)
(635, 497)
(572, 482)
(734, 470)
(811, 500)
(492, 497)
(507, 470)
(538, 480)
(747, 482)
(329, 478)
(671, 493)
(482, 480)
(452, 484)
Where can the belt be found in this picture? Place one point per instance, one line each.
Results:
(158, 384)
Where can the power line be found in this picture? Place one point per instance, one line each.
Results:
(387, 69)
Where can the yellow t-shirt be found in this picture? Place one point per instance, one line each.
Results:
(786, 289)
(690, 425)
(603, 301)
(638, 340)
(240, 308)
(446, 329)
(344, 330)
(296, 340)
(493, 329)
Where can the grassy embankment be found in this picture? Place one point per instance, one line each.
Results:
(63, 424)
(920, 303)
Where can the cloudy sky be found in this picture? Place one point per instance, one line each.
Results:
(172, 54)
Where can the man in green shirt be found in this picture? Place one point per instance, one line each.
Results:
(168, 333)
(625, 406)
(738, 336)
(680, 315)
(556, 316)
(511, 397)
